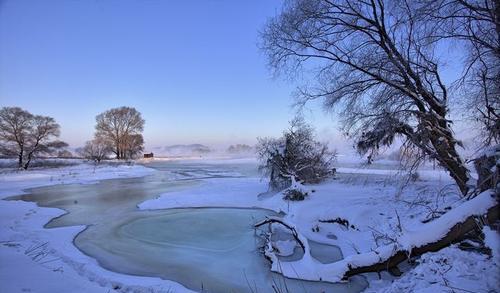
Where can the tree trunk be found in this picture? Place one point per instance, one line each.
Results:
(451, 161)
(28, 161)
(454, 226)
(456, 234)
(31, 152)
(488, 175)
(444, 143)
(20, 161)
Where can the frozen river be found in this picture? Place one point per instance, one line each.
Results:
(204, 249)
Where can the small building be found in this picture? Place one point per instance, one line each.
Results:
(148, 156)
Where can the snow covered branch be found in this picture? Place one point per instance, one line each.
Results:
(299, 238)
(433, 236)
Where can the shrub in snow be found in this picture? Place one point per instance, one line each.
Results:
(296, 156)
(294, 194)
(340, 221)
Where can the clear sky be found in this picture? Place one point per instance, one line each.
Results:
(191, 67)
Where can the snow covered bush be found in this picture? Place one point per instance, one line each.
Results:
(295, 194)
(295, 157)
(96, 150)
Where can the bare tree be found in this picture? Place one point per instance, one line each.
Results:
(296, 156)
(373, 60)
(474, 25)
(15, 125)
(96, 150)
(43, 130)
(26, 135)
(118, 126)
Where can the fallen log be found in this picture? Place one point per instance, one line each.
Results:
(433, 236)
(456, 234)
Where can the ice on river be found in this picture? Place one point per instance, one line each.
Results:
(209, 249)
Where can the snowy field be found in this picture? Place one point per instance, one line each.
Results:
(376, 202)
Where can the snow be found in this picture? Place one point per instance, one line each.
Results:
(367, 198)
(370, 206)
(13, 183)
(225, 192)
(492, 241)
(308, 269)
(449, 270)
(285, 247)
(423, 174)
(433, 231)
(57, 265)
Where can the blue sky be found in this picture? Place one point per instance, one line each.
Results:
(191, 67)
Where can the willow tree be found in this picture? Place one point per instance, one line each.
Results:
(374, 62)
(474, 25)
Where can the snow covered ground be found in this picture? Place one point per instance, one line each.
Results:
(380, 208)
(376, 204)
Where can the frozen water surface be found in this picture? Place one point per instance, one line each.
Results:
(209, 249)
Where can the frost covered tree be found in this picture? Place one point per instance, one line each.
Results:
(96, 150)
(475, 26)
(296, 156)
(121, 128)
(373, 61)
(27, 136)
